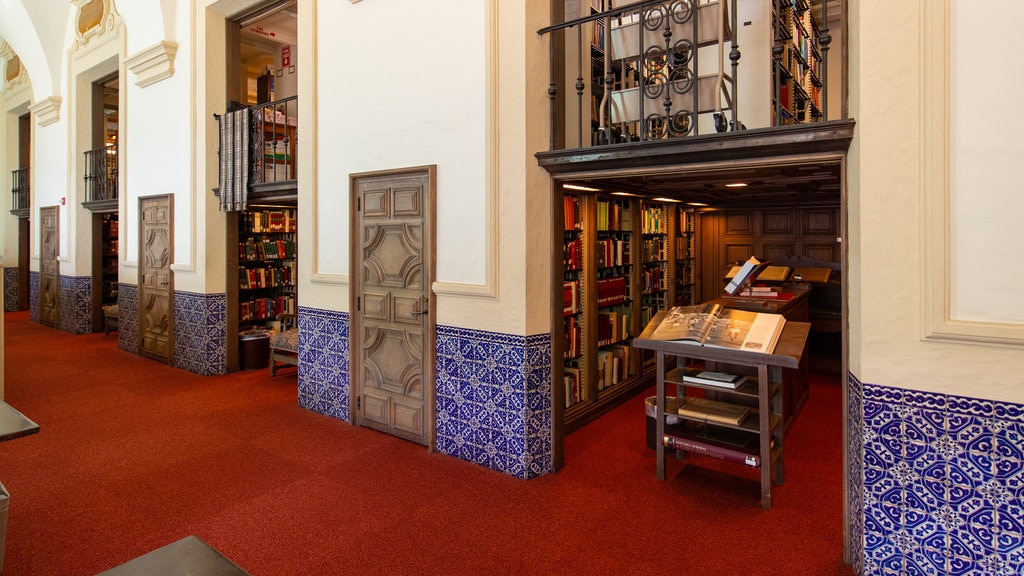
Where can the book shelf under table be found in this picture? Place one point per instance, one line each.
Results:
(770, 451)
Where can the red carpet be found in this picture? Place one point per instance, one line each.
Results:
(133, 455)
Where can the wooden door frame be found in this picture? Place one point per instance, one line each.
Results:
(355, 288)
(56, 209)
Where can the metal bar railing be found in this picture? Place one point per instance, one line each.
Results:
(101, 173)
(273, 140)
(19, 189)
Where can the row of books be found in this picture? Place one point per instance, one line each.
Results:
(573, 386)
(572, 254)
(270, 221)
(654, 221)
(266, 277)
(612, 252)
(654, 249)
(263, 308)
(612, 366)
(572, 297)
(612, 291)
(266, 249)
(571, 207)
(652, 280)
(613, 215)
(612, 327)
(573, 339)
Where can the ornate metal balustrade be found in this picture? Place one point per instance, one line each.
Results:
(257, 154)
(19, 192)
(101, 174)
(273, 128)
(665, 69)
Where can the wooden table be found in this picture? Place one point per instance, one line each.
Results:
(189, 556)
(14, 424)
(769, 454)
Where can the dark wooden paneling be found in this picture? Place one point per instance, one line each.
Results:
(779, 222)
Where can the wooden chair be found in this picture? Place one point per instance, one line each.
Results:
(284, 345)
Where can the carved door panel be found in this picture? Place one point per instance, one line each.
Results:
(393, 327)
(49, 267)
(156, 289)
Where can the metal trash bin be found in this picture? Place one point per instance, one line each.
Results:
(651, 409)
(254, 349)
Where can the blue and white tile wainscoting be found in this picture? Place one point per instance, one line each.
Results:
(128, 317)
(323, 378)
(494, 400)
(10, 289)
(943, 484)
(200, 333)
(33, 295)
(75, 293)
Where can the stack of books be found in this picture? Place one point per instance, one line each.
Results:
(719, 379)
(712, 410)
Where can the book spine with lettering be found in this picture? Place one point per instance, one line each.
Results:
(719, 452)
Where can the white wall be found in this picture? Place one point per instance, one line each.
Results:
(898, 205)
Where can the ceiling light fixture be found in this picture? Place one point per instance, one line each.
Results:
(581, 188)
(666, 200)
(696, 204)
(624, 194)
(736, 185)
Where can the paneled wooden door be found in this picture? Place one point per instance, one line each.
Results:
(393, 326)
(49, 266)
(156, 288)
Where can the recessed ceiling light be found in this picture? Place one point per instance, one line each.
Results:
(666, 200)
(578, 187)
(623, 194)
(696, 204)
(736, 185)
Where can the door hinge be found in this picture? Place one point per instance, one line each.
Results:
(359, 204)
(359, 402)
(358, 303)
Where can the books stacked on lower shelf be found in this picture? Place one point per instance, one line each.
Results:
(712, 410)
(719, 379)
(722, 443)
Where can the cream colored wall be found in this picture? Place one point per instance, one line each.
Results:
(897, 272)
(434, 97)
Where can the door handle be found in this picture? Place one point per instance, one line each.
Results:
(424, 302)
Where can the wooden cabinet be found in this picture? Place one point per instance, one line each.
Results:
(618, 269)
(267, 271)
(757, 439)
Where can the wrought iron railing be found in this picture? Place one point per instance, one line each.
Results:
(273, 138)
(101, 173)
(661, 69)
(19, 189)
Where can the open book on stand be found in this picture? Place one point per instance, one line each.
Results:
(710, 324)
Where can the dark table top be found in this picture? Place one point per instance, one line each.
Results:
(14, 424)
(188, 556)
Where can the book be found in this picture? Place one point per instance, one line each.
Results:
(719, 379)
(774, 274)
(712, 410)
(812, 274)
(749, 270)
(711, 324)
(722, 443)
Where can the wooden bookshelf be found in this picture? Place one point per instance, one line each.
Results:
(267, 265)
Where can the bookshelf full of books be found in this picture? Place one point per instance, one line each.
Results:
(798, 74)
(267, 257)
(616, 274)
(686, 293)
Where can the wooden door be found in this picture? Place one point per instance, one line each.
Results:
(24, 259)
(49, 267)
(156, 291)
(393, 323)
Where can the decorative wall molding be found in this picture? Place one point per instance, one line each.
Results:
(47, 110)
(153, 64)
(94, 29)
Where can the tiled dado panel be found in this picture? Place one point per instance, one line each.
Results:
(76, 304)
(128, 317)
(323, 378)
(33, 296)
(855, 471)
(200, 335)
(494, 400)
(943, 484)
(10, 289)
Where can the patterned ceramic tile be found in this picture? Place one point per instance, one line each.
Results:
(128, 317)
(943, 478)
(10, 289)
(494, 400)
(33, 295)
(323, 376)
(76, 304)
(200, 336)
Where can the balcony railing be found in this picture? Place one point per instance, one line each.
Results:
(19, 191)
(664, 69)
(273, 131)
(101, 173)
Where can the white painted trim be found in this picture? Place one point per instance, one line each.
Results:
(935, 192)
(47, 110)
(153, 64)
